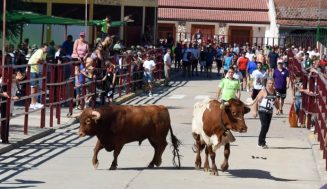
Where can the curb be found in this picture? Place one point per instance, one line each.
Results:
(26, 141)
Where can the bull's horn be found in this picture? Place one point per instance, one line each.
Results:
(96, 115)
(223, 105)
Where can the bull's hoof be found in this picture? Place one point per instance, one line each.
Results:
(214, 173)
(151, 166)
(113, 168)
(224, 167)
(96, 164)
(158, 163)
(197, 164)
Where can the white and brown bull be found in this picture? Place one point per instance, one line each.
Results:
(211, 125)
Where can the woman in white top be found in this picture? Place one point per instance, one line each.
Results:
(266, 100)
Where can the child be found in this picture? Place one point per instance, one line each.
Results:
(86, 76)
(14, 90)
(109, 81)
(77, 87)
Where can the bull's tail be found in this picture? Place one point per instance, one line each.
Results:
(175, 144)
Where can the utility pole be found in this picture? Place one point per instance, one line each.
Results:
(3, 35)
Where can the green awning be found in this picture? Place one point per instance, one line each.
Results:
(22, 17)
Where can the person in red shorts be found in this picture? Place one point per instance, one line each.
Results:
(242, 64)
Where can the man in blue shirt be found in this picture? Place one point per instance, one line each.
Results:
(68, 45)
(227, 62)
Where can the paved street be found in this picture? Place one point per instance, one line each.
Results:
(63, 160)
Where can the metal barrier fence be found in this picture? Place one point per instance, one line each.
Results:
(57, 86)
(314, 103)
(303, 40)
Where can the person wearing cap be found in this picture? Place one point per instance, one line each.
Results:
(80, 48)
(281, 77)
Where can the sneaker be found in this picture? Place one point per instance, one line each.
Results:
(32, 106)
(265, 146)
(38, 105)
(247, 90)
(312, 129)
(150, 94)
(259, 146)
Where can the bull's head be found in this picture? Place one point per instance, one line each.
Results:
(88, 121)
(233, 118)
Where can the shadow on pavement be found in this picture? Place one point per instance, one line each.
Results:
(35, 154)
(256, 173)
(27, 183)
(290, 147)
(156, 168)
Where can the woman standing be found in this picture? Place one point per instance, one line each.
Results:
(266, 100)
(80, 48)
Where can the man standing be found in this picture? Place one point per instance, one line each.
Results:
(68, 45)
(227, 61)
(282, 80)
(242, 63)
(229, 87)
(273, 57)
(34, 62)
(259, 76)
(149, 66)
(167, 66)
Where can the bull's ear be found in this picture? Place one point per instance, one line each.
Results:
(246, 109)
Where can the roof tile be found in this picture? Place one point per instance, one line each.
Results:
(216, 4)
(213, 15)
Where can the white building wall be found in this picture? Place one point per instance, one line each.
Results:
(272, 31)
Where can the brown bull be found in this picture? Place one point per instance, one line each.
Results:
(115, 126)
(211, 127)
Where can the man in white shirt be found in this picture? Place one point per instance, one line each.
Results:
(149, 66)
(259, 76)
(167, 66)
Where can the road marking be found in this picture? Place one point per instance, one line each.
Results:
(176, 96)
(201, 97)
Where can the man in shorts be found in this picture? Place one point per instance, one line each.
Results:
(149, 66)
(242, 64)
(34, 62)
(259, 77)
(281, 77)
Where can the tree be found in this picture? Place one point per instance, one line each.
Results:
(13, 29)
